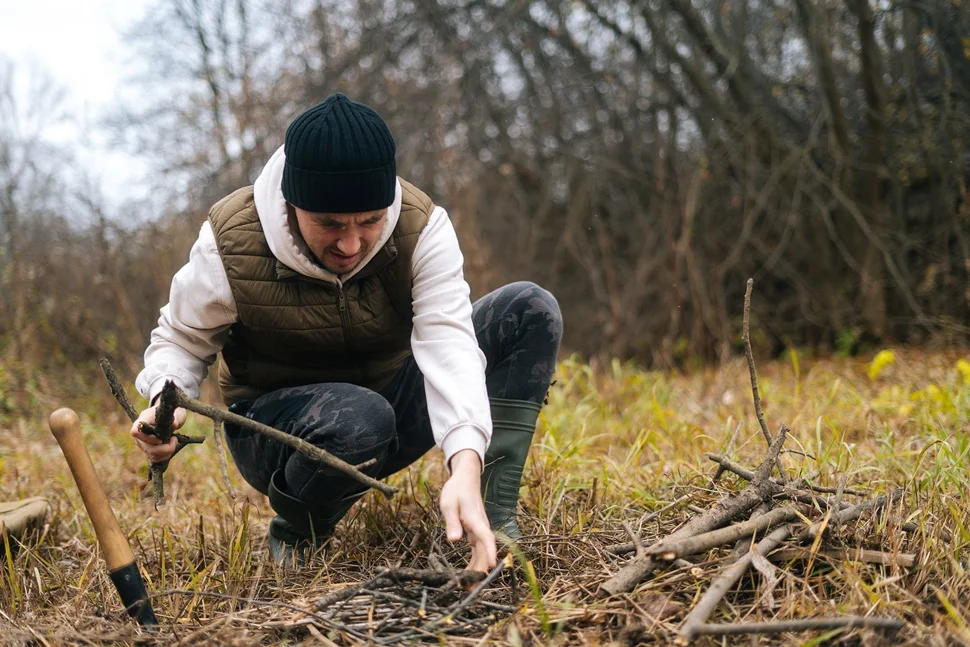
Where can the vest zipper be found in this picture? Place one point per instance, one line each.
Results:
(344, 314)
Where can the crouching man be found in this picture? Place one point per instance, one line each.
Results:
(334, 292)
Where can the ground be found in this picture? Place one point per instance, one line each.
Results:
(614, 443)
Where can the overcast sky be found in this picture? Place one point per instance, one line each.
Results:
(79, 44)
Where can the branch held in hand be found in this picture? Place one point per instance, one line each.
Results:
(222, 416)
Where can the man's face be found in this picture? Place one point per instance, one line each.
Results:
(340, 241)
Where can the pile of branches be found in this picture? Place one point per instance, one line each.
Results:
(791, 517)
(405, 605)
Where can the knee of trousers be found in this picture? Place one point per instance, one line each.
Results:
(357, 420)
(536, 301)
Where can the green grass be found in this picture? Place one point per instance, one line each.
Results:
(614, 443)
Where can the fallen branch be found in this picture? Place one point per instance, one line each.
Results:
(300, 445)
(623, 549)
(669, 550)
(848, 514)
(903, 560)
(794, 626)
(749, 475)
(749, 355)
(743, 545)
(724, 511)
(173, 397)
(719, 587)
(161, 430)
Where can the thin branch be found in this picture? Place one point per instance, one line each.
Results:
(749, 475)
(727, 451)
(164, 419)
(795, 626)
(849, 514)
(719, 587)
(116, 389)
(623, 549)
(903, 560)
(670, 550)
(300, 445)
(753, 374)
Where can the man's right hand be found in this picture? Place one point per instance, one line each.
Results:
(152, 446)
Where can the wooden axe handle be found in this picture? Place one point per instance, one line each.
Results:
(66, 427)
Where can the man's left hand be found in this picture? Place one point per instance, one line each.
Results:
(463, 510)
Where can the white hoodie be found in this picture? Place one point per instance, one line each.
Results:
(195, 323)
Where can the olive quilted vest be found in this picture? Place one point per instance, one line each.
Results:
(294, 330)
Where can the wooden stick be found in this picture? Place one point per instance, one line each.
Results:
(743, 545)
(838, 518)
(116, 389)
(794, 626)
(300, 445)
(161, 430)
(668, 550)
(719, 587)
(178, 399)
(903, 560)
(723, 511)
(749, 475)
(623, 549)
(752, 373)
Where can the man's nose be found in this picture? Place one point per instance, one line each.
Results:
(349, 243)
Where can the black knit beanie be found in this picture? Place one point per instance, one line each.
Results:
(339, 159)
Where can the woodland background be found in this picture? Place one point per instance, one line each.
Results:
(640, 159)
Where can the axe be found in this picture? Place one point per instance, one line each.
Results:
(122, 568)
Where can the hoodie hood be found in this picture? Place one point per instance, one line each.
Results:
(283, 236)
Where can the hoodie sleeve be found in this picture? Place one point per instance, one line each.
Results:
(193, 326)
(444, 344)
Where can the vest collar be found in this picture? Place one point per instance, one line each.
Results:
(385, 255)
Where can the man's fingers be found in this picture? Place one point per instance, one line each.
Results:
(477, 562)
(487, 551)
(144, 438)
(158, 453)
(453, 527)
(483, 556)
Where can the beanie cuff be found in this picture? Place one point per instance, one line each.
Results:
(341, 191)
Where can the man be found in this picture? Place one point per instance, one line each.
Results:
(334, 292)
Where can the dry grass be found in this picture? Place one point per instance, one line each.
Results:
(614, 444)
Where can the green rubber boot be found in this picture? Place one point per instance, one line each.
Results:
(300, 529)
(513, 423)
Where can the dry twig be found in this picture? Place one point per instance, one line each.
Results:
(300, 445)
(724, 511)
(161, 430)
(795, 626)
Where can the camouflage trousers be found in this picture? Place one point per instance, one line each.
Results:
(518, 327)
